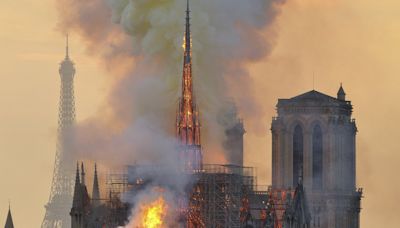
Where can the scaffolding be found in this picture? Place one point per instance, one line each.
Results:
(117, 208)
(117, 184)
(216, 200)
(222, 196)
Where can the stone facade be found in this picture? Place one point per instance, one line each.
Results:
(92, 211)
(314, 137)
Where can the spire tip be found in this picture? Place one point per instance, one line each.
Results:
(67, 46)
(187, 35)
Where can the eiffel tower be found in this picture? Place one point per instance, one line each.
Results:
(60, 200)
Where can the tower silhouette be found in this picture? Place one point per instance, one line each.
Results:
(60, 200)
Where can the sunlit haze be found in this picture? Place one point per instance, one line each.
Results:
(316, 45)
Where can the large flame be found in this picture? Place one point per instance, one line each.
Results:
(154, 214)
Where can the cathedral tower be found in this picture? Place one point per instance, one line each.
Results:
(187, 118)
(314, 137)
(62, 185)
(234, 132)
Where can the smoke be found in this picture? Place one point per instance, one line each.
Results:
(140, 43)
(165, 181)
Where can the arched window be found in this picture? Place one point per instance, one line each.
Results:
(317, 157)
(297, 154)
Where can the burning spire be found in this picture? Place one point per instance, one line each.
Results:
(188, 37)
(188, 123)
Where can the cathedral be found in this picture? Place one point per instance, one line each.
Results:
(313, 170)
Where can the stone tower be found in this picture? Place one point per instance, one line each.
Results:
(314, 137)
(234, 132)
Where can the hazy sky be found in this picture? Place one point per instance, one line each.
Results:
(354, 42)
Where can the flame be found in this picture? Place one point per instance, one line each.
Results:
(154, 214)
(184, 43)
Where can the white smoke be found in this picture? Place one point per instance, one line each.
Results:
(227, 35)
(137, 123)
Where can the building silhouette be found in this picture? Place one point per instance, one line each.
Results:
(60, 199)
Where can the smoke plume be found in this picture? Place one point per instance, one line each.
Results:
(140, 43)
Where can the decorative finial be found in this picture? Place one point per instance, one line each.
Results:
(83, 174)
(77, 179)
(187, 35)
(341, 95)
(95, 190)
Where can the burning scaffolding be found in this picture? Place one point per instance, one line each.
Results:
(220, 196)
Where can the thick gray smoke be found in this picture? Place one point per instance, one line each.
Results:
(140, 42)
(227, 35)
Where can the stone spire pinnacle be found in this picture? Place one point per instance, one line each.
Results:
(9, 221)
(77, 179)
(83, 174)
(341, 95)
(96, 191)
(76, 197)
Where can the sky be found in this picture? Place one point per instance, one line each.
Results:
(353, 42)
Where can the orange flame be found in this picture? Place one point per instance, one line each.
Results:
(154, 214)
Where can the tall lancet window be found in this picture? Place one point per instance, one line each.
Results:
(297, 154)
(317, 157)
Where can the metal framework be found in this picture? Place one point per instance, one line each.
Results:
(60, 200)
(219, 194)
(117, 184)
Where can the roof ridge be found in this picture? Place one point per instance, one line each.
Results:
(312, 93)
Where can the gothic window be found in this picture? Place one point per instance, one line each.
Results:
(297, 154)
(317, 157)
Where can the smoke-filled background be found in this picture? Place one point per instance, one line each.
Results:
(226, 36)
(354, 42)
(142, 103)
